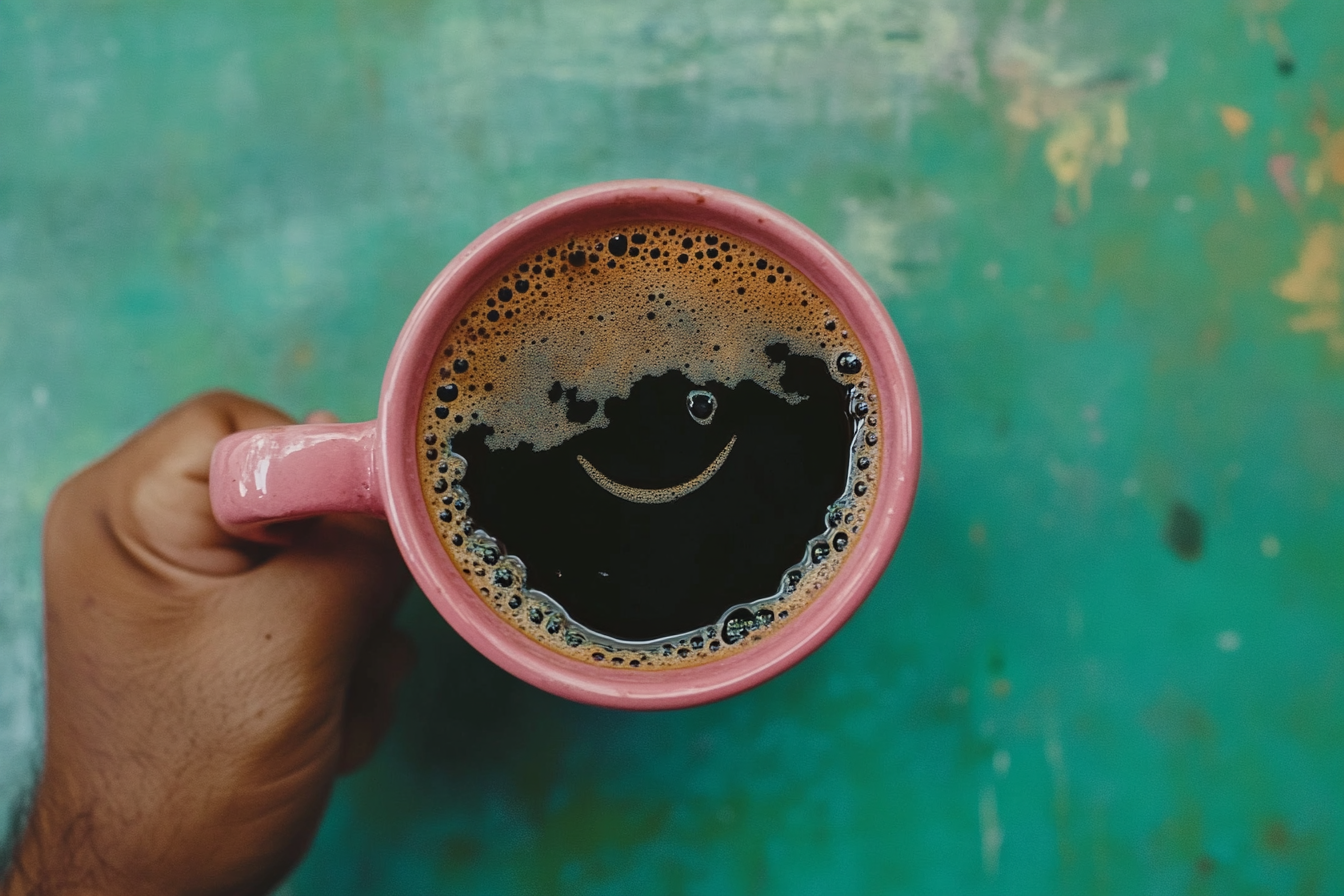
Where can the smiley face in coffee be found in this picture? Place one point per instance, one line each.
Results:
(649, 446)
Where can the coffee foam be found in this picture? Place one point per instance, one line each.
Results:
(537, 352)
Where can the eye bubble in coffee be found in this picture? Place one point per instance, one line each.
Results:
(649, 445)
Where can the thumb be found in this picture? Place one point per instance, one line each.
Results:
(155, 486)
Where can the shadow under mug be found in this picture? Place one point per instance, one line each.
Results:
(264, 477)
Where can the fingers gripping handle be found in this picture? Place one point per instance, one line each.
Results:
(261, 477)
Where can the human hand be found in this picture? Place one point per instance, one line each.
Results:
(202, 692)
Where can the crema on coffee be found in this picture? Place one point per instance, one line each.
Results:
(649, 445)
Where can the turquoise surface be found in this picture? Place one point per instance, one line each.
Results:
(1109, 655)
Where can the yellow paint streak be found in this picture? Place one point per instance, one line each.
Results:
(1082, 143)
(1316, 285)
(1328, 167)
(1235, 121)
(1315, 179)
(1084, 118)
(1333, 155)
(1245, 201)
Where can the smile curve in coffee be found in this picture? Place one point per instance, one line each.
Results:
(656, 495)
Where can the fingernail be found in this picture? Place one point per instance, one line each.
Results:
(321, 417)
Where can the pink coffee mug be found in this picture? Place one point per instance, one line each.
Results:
(263, 477)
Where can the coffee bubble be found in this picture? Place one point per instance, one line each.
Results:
(701, 406)
(639, 383)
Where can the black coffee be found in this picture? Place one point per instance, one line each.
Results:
(649, 446)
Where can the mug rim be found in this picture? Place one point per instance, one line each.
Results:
(615, 202)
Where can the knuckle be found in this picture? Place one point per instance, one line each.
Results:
(63, 499)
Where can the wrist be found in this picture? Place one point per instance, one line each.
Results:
(62, 851)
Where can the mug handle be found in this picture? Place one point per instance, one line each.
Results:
(260, 478)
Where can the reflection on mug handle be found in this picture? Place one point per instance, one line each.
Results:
(263, 477)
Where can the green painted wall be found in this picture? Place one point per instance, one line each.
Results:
(1109, 656)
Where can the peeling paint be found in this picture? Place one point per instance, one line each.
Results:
(1235, 121)
(1315, 284)
(1261, 19)
(1281, 166)
(1328, 167)
(891, 240)
(1082, 108)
